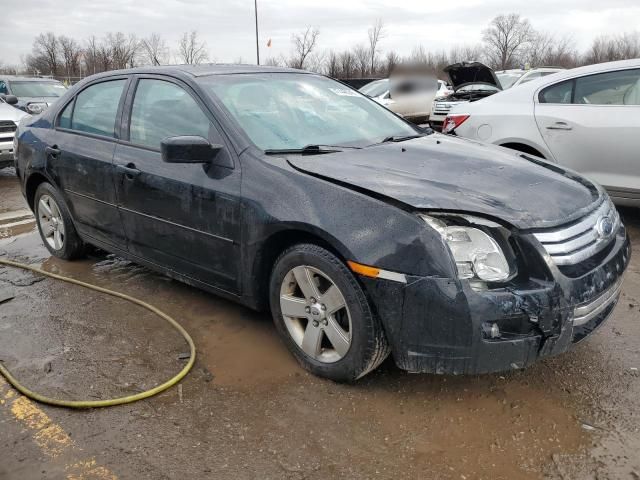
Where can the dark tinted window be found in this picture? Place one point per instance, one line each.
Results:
(611, 88)
(65, 117)
(558, 93)
(96, 108)
(162, 109)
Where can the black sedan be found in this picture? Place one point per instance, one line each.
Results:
(363, 234)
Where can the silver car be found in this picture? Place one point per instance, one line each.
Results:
(9, 119)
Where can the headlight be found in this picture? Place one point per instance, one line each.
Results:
(477, 254)
(36, 108)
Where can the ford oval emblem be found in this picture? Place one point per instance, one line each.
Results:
(604, 227)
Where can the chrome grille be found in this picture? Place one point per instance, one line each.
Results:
(572, 244)
(7, 126)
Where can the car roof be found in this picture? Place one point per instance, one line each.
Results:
(27, 79)
(204, 70)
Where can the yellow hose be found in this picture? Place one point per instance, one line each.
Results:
(115, 401)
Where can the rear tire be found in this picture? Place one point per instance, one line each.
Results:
(323, 316)
(55, 225)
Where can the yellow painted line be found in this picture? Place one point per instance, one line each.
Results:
(50, 437)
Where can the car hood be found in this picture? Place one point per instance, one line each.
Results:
(9, 112)
(465, 73)
(438, 172)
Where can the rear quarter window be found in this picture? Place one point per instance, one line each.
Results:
(558, 93)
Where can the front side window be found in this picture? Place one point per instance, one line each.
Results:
(163, 109)
(558, 93)
(3, 88)
(611, 88)
(96, 108)
(291, 110)
(34, 88)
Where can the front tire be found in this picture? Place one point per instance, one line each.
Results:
(323, 315)
(55, 225)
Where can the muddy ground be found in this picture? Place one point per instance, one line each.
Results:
(248, 411)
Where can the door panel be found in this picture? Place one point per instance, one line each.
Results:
(81, 163)
(593, 127)
(182, 216)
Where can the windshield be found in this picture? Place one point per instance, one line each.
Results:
(508, 79)
(281, 111)
(375, 89)
(37, 89)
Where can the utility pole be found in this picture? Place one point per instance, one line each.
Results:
(255, 4)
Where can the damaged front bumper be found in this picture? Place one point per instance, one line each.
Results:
(441, 325)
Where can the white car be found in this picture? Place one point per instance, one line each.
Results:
(513, 78)
(409, 97)
(587, 119)
(9, 119)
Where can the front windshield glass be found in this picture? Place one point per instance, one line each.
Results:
(37, 89)
(375, 89)
(281, 111)
(508, 79)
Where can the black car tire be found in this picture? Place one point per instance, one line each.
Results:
(368, 344)
(72, 246)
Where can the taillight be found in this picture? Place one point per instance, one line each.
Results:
(452, 122)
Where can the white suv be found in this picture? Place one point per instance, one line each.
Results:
(587, 119)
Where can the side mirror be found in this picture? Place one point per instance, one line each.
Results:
(10, 99)
(189, 149)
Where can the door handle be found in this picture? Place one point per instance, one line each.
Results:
(559, 126)
(130, 171)
(52, 151)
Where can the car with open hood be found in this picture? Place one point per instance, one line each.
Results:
(471, 81)
(363, 234)
(9, 119)
(35, 94)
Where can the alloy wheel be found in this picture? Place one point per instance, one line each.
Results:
(51, 222)
(316, 314)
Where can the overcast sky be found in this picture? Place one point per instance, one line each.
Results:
(228, 25)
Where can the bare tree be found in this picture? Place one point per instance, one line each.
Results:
(71, 55)
(303, 45)
(505, 38)
(375, 33)
(191, 50)
(361, 56)
(154, 50)
(347, 64)
(392, 60)
(45, 53)
(332, 65)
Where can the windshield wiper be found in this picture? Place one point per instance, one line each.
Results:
(308, 150)
(399, 138)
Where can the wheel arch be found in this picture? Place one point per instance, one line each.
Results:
(276, 243)
(31, 185)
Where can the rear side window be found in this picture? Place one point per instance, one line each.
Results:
(96, 108)
(163, 109)
(558, 93)
(611, 88)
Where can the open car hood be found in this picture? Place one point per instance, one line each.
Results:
(465, 73)
(444, 173)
